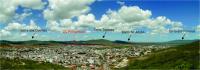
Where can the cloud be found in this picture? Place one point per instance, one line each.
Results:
(160, 23)
(66, 9)
(21, 17)
(84, 22)
(59, 16)
(54, 26)
(23, 34)
(4, 33)
(60, 12)
(8, 7)
(127, 18)
(19, 26)
(177, 26)
(120, 2)
(66, 23)
(7, 10)
(198, 28)
(159, 30)
(12, 31)
(14, 26)
(34, 4)
(131, 14)
(32, 25)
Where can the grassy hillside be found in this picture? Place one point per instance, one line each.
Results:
(9, 64)
(180, 57)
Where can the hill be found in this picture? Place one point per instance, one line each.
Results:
(118, 43)
(35, 42)
(97, 41)
(181, 41)
(180, 57)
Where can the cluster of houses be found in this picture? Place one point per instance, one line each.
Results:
(77, 57)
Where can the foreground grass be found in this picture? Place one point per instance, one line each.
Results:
(20, 64)
(182, 57)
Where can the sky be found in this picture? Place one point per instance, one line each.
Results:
(155, 17)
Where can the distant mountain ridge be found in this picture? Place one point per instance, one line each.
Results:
(182, 41)
(97, 41)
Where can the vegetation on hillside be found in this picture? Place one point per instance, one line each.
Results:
(182, 57)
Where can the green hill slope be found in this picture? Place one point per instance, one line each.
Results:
(180, 57)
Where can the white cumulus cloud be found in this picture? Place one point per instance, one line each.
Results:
(32, 25)
(34, 4)
(23, 34)
(14, 26)
(66, 9)
(21, 17)
(8, 7)
(4, 33)
(19, 26)
(7, 10)
(127, 18)
(131, 14)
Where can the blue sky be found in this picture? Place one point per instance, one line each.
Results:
(184, 13)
